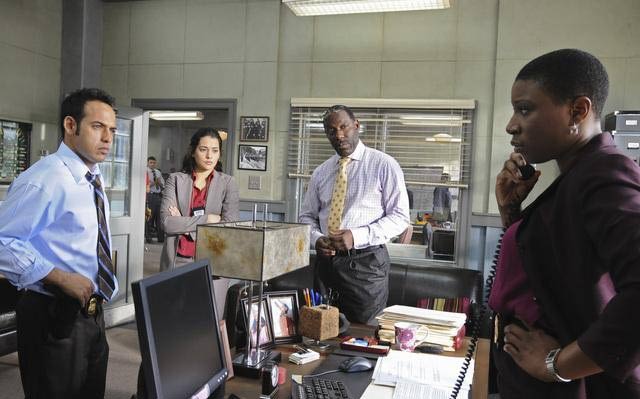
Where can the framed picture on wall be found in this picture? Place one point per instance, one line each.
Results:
(252, 157)
(254, 128)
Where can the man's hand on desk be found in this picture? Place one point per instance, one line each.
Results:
(324, 247)
(341, 240)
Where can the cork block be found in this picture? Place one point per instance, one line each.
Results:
(319, 322)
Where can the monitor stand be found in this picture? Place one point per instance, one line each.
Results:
(252, 365)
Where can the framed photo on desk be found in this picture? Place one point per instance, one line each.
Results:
(283, 308)
(266, 328)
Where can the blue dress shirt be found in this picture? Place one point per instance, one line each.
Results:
(376, 207)
(48, 220)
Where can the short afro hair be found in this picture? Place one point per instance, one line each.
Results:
(567, 74)
(336, 108)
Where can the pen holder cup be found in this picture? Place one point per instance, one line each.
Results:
(319, 322)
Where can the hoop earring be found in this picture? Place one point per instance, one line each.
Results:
(574, 129)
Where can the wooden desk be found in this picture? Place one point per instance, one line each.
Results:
(248, 388)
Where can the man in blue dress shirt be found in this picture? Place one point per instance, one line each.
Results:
(49, 247)
(374, 207)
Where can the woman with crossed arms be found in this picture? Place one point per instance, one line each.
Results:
(199, 194)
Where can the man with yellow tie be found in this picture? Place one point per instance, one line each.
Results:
(356, 201)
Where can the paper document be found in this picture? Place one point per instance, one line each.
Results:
(434, 370)
(412, 390)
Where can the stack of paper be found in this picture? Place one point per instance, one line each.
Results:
(305, 356)
(437, 327)
(429, 375)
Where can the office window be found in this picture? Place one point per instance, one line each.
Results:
(116, 171)
(430, 139)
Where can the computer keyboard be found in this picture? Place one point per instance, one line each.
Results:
(317, 388)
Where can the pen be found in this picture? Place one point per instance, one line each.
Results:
(313, 298)
(307, 299)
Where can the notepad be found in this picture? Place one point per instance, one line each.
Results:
(303, 357)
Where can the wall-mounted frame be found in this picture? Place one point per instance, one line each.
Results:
(15, 146)
(283, 308)
(266, 332)
(254, 128)
(252, 157)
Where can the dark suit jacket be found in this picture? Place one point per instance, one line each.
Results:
(222, 199)
(580, 246)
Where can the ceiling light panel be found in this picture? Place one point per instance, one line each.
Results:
(176, 115)
(333, 7)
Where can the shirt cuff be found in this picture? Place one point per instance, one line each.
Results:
(36, 272)
(360, 237)
(314, 237)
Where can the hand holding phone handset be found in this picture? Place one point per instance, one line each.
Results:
(513, 184)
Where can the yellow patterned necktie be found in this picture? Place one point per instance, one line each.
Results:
(338, 196)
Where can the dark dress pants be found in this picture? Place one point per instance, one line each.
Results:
(71, 368)
(361, 279)
(154, 201)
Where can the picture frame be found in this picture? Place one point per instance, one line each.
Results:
(252, 157)
(284, 312)
(224, 338)
(266, 334)
(254, 128)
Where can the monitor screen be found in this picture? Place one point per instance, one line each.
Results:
(178, 330)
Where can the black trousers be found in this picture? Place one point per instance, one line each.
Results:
(361, 279)
(154, 200)
(53, 367)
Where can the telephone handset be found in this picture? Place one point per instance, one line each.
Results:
(527, 172)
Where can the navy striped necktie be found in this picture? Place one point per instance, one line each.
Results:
(106, 279)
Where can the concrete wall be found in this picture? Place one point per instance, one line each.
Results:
(261, 54)
(30, 36)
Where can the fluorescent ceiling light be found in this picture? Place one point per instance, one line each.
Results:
(433, 123)
(176, 115)
(443, 138)
(332, 7)
(434, 117)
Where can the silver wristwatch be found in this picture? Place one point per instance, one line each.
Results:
(550, 363)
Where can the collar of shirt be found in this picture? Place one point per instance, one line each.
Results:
(76, 166)
(193, 177)
(356, 155)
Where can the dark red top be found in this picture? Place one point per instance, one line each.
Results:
(511, 293)
(186, 245)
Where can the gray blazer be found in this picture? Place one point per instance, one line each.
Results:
(222, 199)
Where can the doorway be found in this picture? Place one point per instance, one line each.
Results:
(168, 142)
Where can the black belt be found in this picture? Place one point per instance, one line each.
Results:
(354, 251)
(90, 309)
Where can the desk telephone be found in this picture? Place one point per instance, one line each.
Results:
(527, 172)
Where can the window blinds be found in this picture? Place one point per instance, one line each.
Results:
(426, 137)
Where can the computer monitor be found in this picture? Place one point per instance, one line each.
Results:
(443, 245)
(179, 336)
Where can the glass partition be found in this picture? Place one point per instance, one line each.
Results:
(116, 169)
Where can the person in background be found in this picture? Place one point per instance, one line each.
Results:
(355, 203)
(442, 200)
(568, 275)
(55, 245)
(199, 194)
(154, 199)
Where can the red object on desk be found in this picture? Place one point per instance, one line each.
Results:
(372, 346)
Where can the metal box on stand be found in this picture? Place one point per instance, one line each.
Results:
(625, 128)
(253, 251)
